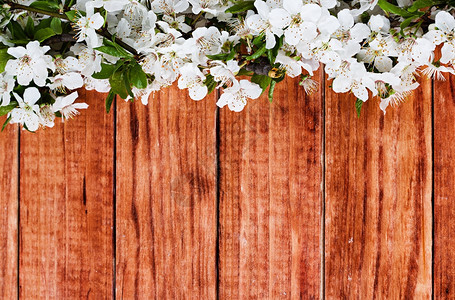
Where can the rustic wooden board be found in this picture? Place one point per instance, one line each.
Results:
(444, 189)
(378, 199)
(66, 215)
(166, 198)
(9, 211)
(271, 197)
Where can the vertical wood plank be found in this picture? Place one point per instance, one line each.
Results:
(444, 189)
(166, 198)
(9, 209)
(66, 211)
(378, 198)
(271, 197)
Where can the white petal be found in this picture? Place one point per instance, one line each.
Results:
(31, 95)
(250, 89)
(445, 21)
(292, 6)
(279, 18)
(17, 51)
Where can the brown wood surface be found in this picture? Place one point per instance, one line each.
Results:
(271, 197)
(166, 198)
(66, 212)
(444, 189)
(378, 224)
(9, 211)
(225, 205)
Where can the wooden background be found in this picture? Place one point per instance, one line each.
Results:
(298, 199)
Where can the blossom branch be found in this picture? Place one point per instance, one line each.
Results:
(103, 32)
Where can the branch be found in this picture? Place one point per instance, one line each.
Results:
(103, 32)
(14, 6)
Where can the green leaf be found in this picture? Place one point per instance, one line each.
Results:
(17, 33)
(210, 83)
(244, 72)
(44, 34)
(273, 53)
(406, 23)
(258, 53)
(138, 76)
(117, 82)
(272, 90)
(109, 100)
(50, 6)
(221, 56)
(358, 107)
(6, 123)
(71, 15)
(263, 81)
(56, 25)
(107, 42)
(389, 7)
(258, 40)
(421, 4)
(240, 6)
(111, 51)
(126, 80)
(46, 23)
(4, 57)
(29, 27)
(106, 71)
(6, 109)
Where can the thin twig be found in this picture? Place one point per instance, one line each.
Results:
(103, 32)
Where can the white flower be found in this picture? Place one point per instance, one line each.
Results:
(69, 64)
(66, 106)
(293, 67)
(445, 33)
(89, 59)
(353, 77)
(99, 85)
(86, 27)
(110, 5)
(177, 23)
(302, 21)
(262, 22)
(28, 112)
(235, 97)
(31, 63)
(6, 87)
(71, 81)
(209, 6)
(225, 73)
(192, 79)
(47, 116)
(170, 7)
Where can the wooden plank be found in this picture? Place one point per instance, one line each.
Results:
(166, 198)
(444, 189)
(271, 197)
(9, 210)
(66, 212)
(378, 198)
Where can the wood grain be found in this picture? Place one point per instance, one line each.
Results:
(444, 189)
(378, 199)
(9, 211)
(66, 212)
(271, 198)
(166, 198)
